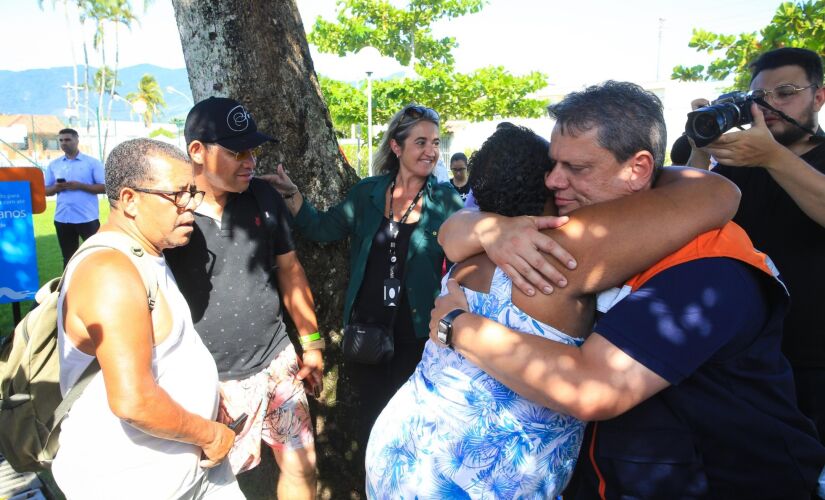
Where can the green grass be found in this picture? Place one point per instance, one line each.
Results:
(49, 259)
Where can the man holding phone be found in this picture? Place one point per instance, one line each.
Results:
(76, 179)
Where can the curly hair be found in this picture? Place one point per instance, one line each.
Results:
(507, 173)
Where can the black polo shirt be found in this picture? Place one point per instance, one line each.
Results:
(226, 277)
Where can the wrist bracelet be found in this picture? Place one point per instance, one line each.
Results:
(306, 339)
(290, 195)
(319, 345)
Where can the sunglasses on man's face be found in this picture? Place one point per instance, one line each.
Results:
(253, 153)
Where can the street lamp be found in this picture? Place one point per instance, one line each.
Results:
(370, 59)
(173, 90)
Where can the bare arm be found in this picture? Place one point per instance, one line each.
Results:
(75, 186)
(122, 339)
(513, 243)
(89, 188)
(756, 147)
(299, 303)
(595, 382)
(684, 203)
(617, 239)
(802, 182)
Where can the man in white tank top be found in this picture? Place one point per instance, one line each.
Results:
(144, 427)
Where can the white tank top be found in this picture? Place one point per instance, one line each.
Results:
(101, 456)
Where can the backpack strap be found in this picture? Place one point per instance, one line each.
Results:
(136, 253)
(77, 389)
(132, 249)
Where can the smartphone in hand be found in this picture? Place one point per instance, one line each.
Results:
(236, 425)
(60, 179)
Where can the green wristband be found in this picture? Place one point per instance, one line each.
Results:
(305, 339)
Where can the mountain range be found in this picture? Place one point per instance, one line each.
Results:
(41, 92)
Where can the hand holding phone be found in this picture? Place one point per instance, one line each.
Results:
(237, 425)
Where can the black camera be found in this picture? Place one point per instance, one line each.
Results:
(706, 124)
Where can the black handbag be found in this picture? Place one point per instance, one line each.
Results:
(368, 344)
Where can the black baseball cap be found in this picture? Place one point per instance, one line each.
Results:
(223, 121)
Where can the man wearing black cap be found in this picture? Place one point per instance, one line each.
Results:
(237, 269)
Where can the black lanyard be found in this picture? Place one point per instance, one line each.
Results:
(395, 228)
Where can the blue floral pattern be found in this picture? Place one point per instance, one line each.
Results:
(452, 431)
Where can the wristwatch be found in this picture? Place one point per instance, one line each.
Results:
(445, 327)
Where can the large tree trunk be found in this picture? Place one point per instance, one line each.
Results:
(256, 51)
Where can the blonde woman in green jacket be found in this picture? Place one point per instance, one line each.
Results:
(392, 220)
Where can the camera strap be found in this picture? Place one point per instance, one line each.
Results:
(814, 137)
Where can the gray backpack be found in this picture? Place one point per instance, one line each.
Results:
(31, 405)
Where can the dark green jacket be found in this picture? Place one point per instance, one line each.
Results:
(359, 217)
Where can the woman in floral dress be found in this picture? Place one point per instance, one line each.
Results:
(452, 431)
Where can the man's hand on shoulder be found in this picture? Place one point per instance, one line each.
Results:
(755, 147)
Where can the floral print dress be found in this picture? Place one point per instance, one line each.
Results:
(452, 431)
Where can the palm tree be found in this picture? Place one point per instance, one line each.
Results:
(151, 95)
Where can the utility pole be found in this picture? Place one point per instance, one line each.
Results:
(72, 111)
(659, 47)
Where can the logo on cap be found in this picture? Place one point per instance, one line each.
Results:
(237, 119)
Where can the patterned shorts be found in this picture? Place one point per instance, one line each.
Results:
(277, 407)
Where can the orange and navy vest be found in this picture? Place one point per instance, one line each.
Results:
(730, 241)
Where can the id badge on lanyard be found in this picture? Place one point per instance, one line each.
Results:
(392, 285)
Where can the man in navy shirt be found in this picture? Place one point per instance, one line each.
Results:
(683, 372)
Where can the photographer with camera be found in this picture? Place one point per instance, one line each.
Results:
(779, 166)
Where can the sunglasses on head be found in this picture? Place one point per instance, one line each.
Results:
(418, 112)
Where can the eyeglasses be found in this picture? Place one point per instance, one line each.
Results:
(181, 198)
(782, 93)
(253, 153)
(460, 169)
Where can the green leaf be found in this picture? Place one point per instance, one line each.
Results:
(794, 24)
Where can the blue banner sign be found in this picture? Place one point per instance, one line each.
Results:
(18, 254)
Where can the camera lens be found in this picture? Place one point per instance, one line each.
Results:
(706, 126)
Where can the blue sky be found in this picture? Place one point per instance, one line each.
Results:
(573, 42)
